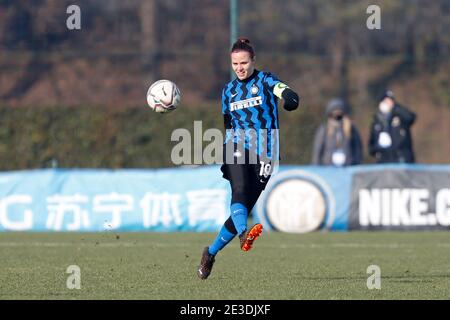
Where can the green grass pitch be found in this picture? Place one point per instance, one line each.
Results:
(413, 265)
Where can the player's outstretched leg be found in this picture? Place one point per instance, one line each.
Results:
(225, 235)
(206, 264)
(248, 237)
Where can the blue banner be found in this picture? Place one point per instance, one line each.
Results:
(366, 197)
(297, 199)
(125, 200)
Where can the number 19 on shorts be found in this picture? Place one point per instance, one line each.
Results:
(265, 169)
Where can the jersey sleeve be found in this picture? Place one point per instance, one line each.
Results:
(225, 100)
(275, 85)
(226, 110)
(271, 81)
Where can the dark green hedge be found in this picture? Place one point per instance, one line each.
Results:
(96, 137)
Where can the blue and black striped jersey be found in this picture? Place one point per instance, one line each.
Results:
(251, 107)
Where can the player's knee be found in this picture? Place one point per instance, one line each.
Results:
(239, 197)
(239, 188)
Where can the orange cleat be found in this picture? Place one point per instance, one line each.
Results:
(247, 238)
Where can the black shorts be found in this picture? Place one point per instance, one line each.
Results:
(247, 174)
(247, 179)
(254, 174)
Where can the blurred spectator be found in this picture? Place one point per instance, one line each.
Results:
(337, 141)
(390, 136)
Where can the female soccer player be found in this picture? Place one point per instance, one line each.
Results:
(249, 107)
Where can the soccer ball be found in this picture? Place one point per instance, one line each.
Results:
(163, 96)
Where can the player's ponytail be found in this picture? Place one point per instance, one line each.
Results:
(243, 44)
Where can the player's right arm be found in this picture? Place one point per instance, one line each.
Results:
(225, 110)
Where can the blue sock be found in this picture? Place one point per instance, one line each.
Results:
(239, 214)
(222, 239)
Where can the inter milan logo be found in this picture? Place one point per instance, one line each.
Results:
(254, 89)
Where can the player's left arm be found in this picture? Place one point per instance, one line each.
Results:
(290, 97)
(282, 91)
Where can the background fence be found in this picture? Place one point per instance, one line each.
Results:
(66, 92)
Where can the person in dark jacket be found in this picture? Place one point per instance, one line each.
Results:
(337, 141)
(390, 136)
